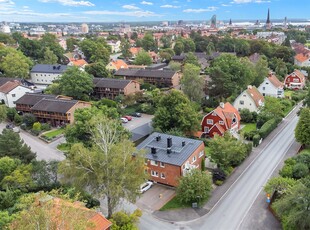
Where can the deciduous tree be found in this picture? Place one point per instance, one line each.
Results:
(143, 58)
(302, 130)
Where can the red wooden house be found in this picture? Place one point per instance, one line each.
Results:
(224, 118)
(295, 80)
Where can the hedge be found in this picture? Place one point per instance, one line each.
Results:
(268, 127)
(256, 139)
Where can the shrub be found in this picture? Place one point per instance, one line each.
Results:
(218, 182)
(29, 119)
(246, 115)
(249, 147)
(35, 132)
(45, 127)
(300, 170)
(218, 175)
(37, 126)
(147, 108)
(268, 127)
(208, 109)
(249, 135)
(256, 139)
(18, 119)
(10, 113)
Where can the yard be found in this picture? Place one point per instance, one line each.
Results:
(248, 127)
(54, 133)
(174, 204)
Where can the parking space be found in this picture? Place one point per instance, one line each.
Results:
(138, 121)
(156, 197)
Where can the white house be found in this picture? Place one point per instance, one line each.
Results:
(250, 99)
(115, 46)
(11, 91)
(302, 59)
(272, 87)
(43, 74)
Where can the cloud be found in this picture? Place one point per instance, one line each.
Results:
(169, 6)
(225, 5)
(70, 2)
(146, 3)
(138, 13)
(6, 5)
(249, 1)
(209, 9)
(130, 7)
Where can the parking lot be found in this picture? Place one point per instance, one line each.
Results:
(138, 121)
(156, 197)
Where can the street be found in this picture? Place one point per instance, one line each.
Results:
(44, 151)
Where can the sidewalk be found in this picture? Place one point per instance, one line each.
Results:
(220, 191)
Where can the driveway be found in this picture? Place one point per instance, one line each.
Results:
(155, 197)
(138, 121)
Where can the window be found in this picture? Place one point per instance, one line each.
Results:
(162, 175)
(154, 173)
(194, 159)
(13, 95)
(162, 164)
(154, 163)
(209, 121)
(201, 153)
(264, 94)
(241, 102)
(264, 88)
(206, 129)
(221, 122)
(267, 83)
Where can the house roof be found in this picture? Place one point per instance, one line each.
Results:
(300, 75)
(100, 222)
(78, 62)
(33, 98)
(135, 50)
(9, 86)
(4, 80)
(145, 73)
(54, 105)
(179, 154)
(119, 64)
(178, 57)
(301, 57)
(274, 80)
(156, 66)
(255, 95)
(227, 113)
(110, 83)
(45, 68)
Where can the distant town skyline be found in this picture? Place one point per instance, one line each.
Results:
(149, 10)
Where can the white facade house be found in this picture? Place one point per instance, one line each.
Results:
(272, 87)
(43, 74)
(302, 59)
(115, 46)
(11, 91)
(250, 99)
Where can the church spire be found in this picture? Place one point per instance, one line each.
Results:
(268, 17)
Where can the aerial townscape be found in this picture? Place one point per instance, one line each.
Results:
(154, 115)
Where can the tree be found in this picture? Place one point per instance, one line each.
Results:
(76, 83)
(16, 65)
(50, 41)
(302, 130)
(112, 168)
(3, 112)
(261, 71)
(166, 54)
(210, 48)
(5, 219)
(143, 58)
(95, 51)
(148, 42)
(7, 166)
(175, 66)
(189, 45)
(20, 178)
(272, 108)
(178, 47)
(281, 185)
(194, 186)
(166, 41)
(49, 57)
(71, 43)
(192, 59)
(98, 69)
(44, 174)
(29, 119)
(246, 115)
(122, 220)
(192, 83)
(125, 48)
(307, 99)
(226, 151)
(174, 110)
(12, 146)
(53, 89)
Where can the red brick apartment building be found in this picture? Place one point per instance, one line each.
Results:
(170, 157)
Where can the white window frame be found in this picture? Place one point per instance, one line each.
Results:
(154, 163)
(221, 122)
(201, 153)
(154, 173)
(209, 121)
(194, 159)
(241, 102)
(206, 129)
(162, 165)
(162, 176)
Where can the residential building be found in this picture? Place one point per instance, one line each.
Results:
(302, 59)
(55, 110)
(115, 46)
(272, 87)
(250, 99)
(160, 78)
(80, 63)
(44, 74)
(224, 118)
(115, 65)
(134, 51)
(170, 157)
(110, 87)
(84, 28)
(11, 91)
(295, 80)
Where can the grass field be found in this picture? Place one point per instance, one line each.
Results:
(288, 93)
(64, 147)
(54, 133)
(173, 204)
(249, 127)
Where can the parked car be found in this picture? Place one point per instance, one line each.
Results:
(136, 114)
(129, 118)
(145, 186)
(10, 126)
(16, 130)
(124, 120)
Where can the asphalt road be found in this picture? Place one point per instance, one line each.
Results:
(43, 150)
(234, 206)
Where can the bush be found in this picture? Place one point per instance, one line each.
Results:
(256, 139)
(249, 148)
(18, 119)
(246, 116)
(45, 127)
(10, 113)
(208, 109)
(147, 108)
(35, 132)
(299, 95)
(218, 175)
(250, 135)
(218, 182)
(268, 127)
(29, 119)
(37, 126)
(300, 170)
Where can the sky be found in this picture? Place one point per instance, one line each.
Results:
(149, 10)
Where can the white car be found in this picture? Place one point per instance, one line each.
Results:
(145, 186)
(124, 120)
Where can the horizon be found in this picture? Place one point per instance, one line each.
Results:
(96, 11)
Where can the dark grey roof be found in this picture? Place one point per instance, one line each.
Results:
(178, 156)
(145, 73)
(54, 105)
(4, 80)
(45, 68)
(110, 83)
(156, 66)
(141, 132)
(178, 57)
(33, 98)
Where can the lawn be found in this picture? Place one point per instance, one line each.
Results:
(131, 109)
(248, 127)
(64, 147)
(174, 204)
(54, 133)
(288, 93)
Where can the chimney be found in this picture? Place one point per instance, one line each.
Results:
(158, 138)
(183, 143)
(249, 87)
(153, 150)
(168, 150)
(222, 105)
(169, 142)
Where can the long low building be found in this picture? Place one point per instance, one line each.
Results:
(44, 74)
(160, 78)
(55, 110)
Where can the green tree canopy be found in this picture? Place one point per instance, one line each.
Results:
(148, 42)
(98, 69)
(174, 110)
(96, 50)
(143, 58)
(125, 48)
(178, 47)
(302, 130)
(76, 83)
(49, 57)
(192, 59)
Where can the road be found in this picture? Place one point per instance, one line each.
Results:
(234, 206)
(44, 151)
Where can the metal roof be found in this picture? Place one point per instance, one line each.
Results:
(179, 154)
(45, 68)
(145, 73)
(110, 83)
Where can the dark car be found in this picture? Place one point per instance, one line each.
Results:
(9, 126)
(136, 114)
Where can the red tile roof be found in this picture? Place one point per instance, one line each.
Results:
(227, 113)
(302, 57)
(255, 95)
(9, 86)
(78, 62)
(135, 50)
(119, 64)
(274, 80)
(300, 75)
